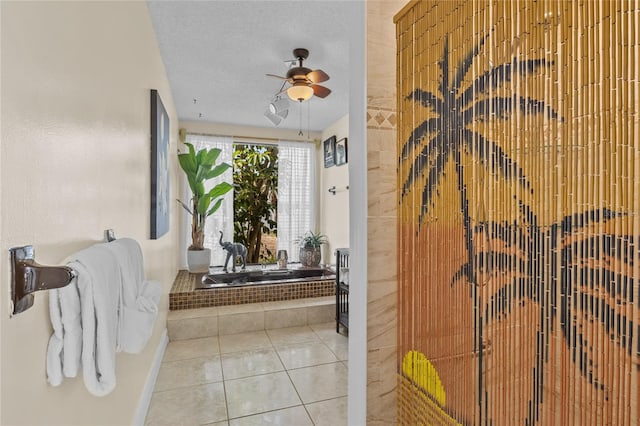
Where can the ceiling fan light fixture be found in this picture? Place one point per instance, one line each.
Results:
(279, 105)
(300, 92)
(275, 119)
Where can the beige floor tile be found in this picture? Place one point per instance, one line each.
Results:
(320, 382)
(291, 317)
(192, 313)
(320, 313)
(291, 335)
(340, 349)
(327, 330)
(338, 343)
(189, 372)
(305, 355)
(191, 348)
(283, 304)
(240, 323)
(315, 301)
(332, 412)
(244, 342)
(192, 328)
(252, 363)
(196, 405)
(240, 309)
(294, 416)
(259, 394)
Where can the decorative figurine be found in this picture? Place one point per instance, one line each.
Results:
(233, 251)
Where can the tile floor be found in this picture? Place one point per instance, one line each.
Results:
(288, 376)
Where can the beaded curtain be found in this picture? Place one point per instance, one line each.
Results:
(519, 212)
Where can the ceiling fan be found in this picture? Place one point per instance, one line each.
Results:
(304, 81)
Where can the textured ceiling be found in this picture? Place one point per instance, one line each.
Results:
(218, 52)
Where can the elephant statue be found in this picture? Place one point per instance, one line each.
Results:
(233, 251)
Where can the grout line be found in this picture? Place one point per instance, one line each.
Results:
(273, 348)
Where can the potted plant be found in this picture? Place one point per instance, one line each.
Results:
(200, 167)
(310, 243)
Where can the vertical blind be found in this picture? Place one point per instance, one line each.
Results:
(221, 220)
(296, 194)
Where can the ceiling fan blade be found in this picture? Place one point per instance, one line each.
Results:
(277, 76)
(317, 76)
(320, 91)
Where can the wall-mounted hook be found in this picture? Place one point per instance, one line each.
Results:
(333, 189)
(27, 277)
(109, 235)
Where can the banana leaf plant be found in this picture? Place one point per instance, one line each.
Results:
(200, 167)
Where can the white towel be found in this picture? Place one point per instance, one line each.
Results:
(139, 298)
(65, 344)
(107, 308)
(84, 315)
(99, 284)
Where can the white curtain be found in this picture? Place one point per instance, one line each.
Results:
(296, 194)
(221, 220)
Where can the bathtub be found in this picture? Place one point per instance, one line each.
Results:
(263, 277)
(254, 285)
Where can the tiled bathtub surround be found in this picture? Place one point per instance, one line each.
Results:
(183, 294)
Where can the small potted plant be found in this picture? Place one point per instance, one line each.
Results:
(200, 167)
(310, 243)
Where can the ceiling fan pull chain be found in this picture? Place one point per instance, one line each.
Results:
(308, 119)
(300, 114)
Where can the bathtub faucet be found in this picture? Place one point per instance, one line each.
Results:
(282, 258)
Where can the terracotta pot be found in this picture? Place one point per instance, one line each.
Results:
(310, 256)
(198, 260)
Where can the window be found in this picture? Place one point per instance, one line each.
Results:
(296, 196)
(222, 220)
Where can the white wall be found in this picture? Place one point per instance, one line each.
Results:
(334, 209)
(74, 160)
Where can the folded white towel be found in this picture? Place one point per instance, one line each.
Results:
(138, 320)
(140, 298)
(65, 345)
(107, 308)
(99, 284)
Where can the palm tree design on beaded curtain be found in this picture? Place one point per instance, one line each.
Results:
(570, 271)
(446, 135)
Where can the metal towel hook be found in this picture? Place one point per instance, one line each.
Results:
(333, 189)
(27, 277)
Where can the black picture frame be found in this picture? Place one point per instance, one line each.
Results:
(329, 152)
(341, 152)
(160, 183)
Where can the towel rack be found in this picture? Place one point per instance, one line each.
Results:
(28, 276)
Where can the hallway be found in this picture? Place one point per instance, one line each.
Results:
(295, 375)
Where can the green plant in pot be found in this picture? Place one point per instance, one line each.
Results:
(310, 248)
(200, 167)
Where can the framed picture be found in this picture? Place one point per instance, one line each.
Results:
(159, 167)
(341, 152)
(329, 152)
